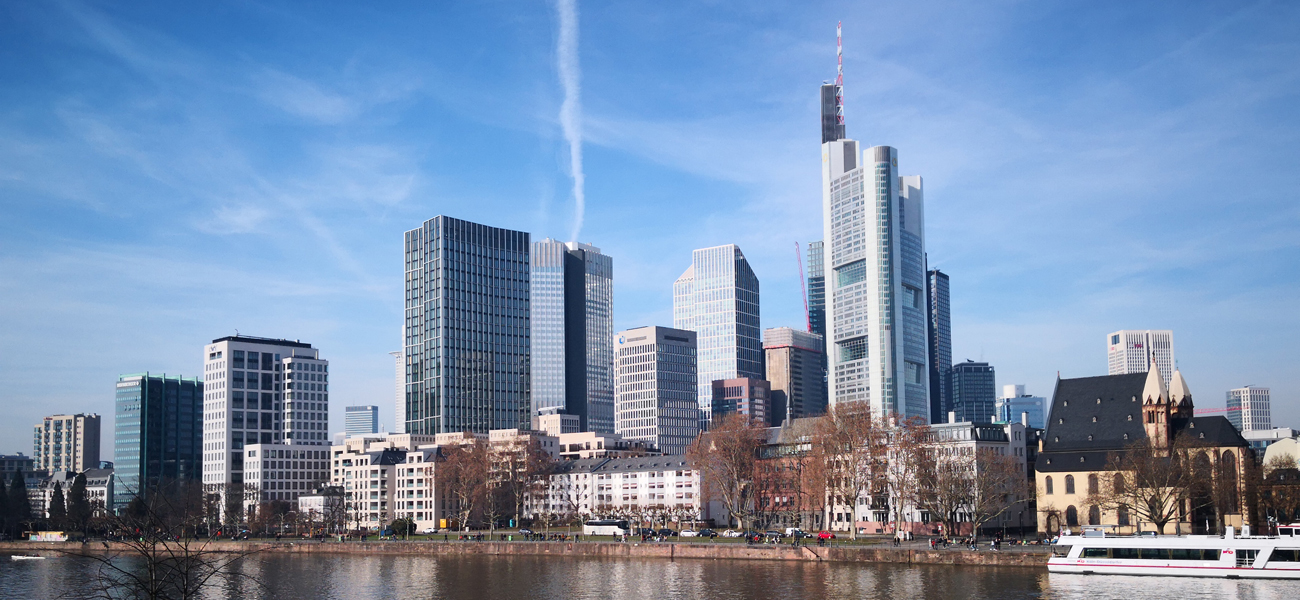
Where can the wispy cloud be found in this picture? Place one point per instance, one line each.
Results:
(571, 108)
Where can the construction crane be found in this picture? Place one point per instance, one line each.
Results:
(803, 286)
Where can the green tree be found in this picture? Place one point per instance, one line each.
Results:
(20, 508)
(58, 512)
(4, 506)
(78, 506)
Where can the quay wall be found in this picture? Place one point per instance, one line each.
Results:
(839, 554)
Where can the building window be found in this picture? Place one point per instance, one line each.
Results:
(1069, 484)
(1047, 484)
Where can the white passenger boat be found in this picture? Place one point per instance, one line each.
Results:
(1230, 556)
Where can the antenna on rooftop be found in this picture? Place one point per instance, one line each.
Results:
(839, 74)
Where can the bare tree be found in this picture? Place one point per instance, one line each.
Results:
(998, 485)
(726, 457)
(854, 450)
(902, 467)
(1279, 489)
(949, 486)
(462, 474)
(1153, 483)
(160, 531)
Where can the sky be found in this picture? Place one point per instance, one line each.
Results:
(171, 173)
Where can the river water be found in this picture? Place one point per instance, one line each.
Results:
(354, 577)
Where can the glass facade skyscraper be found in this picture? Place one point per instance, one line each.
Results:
(816, 289)
(940, 335)
(874, 226)
(972, 391)
(572, 321)
(717, 298)
(157, 435)
(467, 339)
(360, 420)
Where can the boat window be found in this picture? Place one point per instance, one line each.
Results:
(1096, 553)
(1285, 555)
(1210, 554)
(1246, 558)
(1155, 554)
(1130, 553)
(1061, 550)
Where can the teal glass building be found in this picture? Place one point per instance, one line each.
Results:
(158, 434)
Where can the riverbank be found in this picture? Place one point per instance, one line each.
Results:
(1036, 558)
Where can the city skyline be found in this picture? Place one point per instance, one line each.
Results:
(173, 176)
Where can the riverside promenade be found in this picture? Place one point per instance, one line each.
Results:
(1025, 557)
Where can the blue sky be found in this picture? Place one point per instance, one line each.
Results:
(172, 172)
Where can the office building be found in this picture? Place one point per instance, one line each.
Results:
(796, 371)
(1261, 439)
(973, 392)
(259, 391)
(816, 289)
(66, 443)
(1015, 403)
(1249, 408)
(874, 225)
(361, 420)
(399, 402)
(656, 399)
(572, 322)
(157, 434)
(15, 462)
(1132, 350)
(283, 471)
(717, 298)
(466, 327)
(940, 343)
(746, 396)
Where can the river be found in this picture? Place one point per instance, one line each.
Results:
(475, 577)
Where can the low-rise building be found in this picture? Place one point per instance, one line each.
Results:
(589, 444)
(649, 488)
(16, 462)
(283, 471)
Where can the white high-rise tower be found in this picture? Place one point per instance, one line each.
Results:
(874, 228)
(1132, 350)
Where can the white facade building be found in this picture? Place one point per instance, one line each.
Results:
(259, 391)
(717, 298)
(283, 471)
(637, 488)
(66, 443)
(1132, 350)
(1249, 408)
(656, 399)
(399, 401)
(874, 230)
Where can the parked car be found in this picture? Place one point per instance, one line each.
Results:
(525, 531)
(731, 533)
(667, 533)
(429, 530)
(825, 535)
(772, 533)
(689, 533)
(708, 533)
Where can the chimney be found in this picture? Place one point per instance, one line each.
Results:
(1024, 418)
(952, 416)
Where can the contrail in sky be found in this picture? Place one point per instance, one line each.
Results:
(571, 109)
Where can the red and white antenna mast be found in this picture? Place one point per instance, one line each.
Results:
(839, 74)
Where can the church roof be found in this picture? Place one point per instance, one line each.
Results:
(1153, 389)
(1178, 392)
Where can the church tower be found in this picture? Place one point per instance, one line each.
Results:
(1155, 409)
(1180, 398)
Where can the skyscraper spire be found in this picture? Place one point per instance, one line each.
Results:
(839, 74)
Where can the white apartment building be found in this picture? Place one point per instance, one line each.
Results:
(1249, 408)
(637, 488)
(259, 391)
(283, 471)
(655, 399)
(66, 443)
(1132, 350)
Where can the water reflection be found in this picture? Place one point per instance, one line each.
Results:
(348, 577)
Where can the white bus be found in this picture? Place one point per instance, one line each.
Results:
(605, 527)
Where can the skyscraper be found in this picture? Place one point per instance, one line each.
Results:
(158, 434)
(360, 420)
(399, 403)
(66, 443)
(832, 128)
(816, 289)
(972, 387)
(1249, 408)
(873, 221)
(572, 322)
(259, 391)
(795, 368)
(467, 335)
(1132, 350)
(940, 346)
(717, 298)
(657, 399)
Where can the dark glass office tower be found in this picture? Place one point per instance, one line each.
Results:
(832, 129)
(971, 388)
(816, 289)
(158, 434)
(940, 336)
(466, 328)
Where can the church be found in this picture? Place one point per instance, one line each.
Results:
(1094, 420)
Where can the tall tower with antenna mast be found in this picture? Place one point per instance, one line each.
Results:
(839, 76)
(832, 96)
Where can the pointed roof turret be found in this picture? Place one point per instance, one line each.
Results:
(1178, 392)
(1155, 391)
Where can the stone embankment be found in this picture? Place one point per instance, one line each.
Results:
(693, 550)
